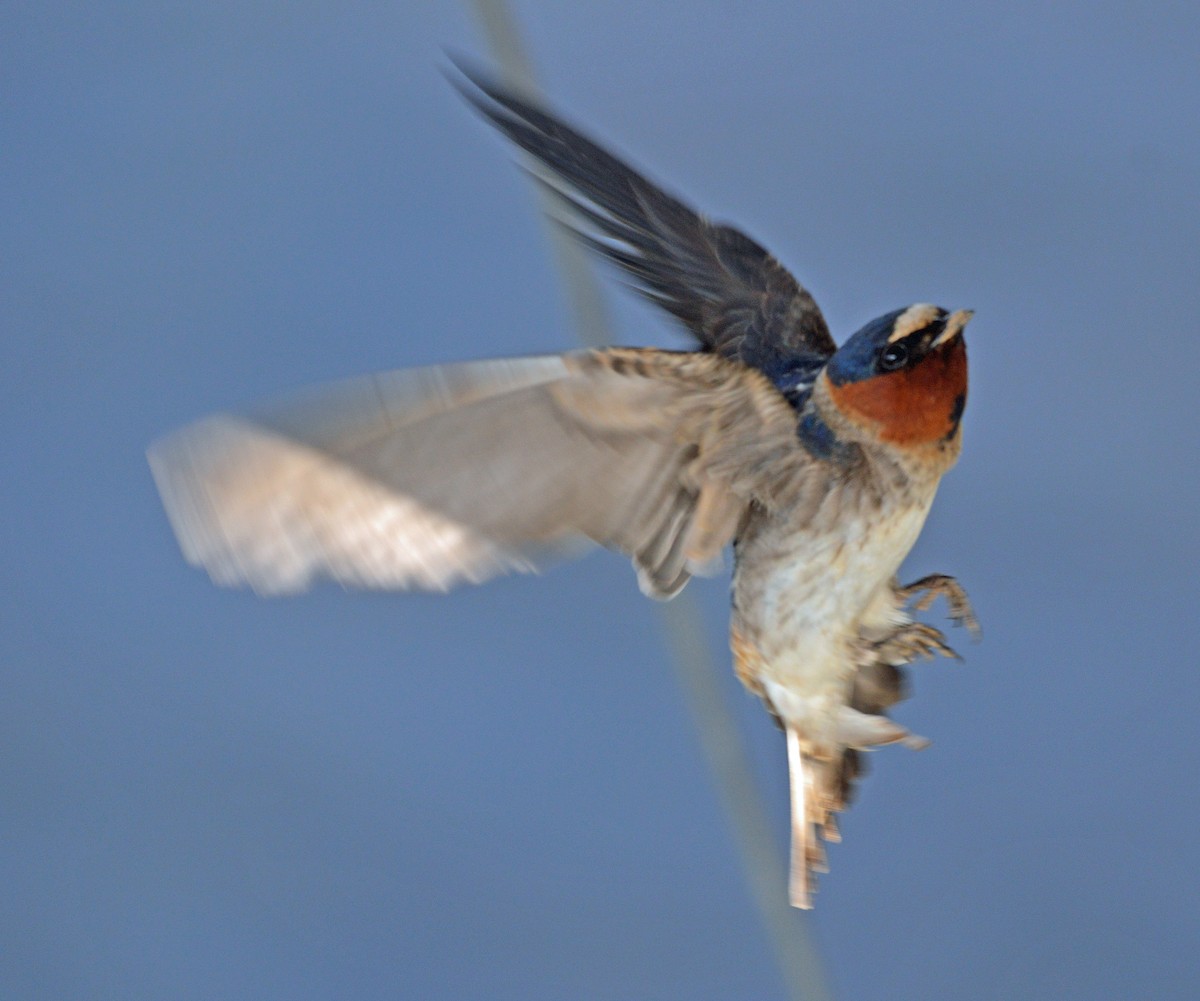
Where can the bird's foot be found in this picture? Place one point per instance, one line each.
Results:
(915, 641)
(926, 590)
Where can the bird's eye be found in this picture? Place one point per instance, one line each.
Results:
(894, 356)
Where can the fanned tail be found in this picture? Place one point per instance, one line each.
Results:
(819, 787)
(821, 782)
(807, 855)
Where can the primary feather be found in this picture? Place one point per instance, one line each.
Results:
(734, 297)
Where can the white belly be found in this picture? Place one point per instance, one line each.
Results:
(809, 598)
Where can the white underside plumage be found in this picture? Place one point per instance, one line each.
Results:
(824, 592)
(820, 595)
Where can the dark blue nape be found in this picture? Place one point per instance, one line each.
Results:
(855, 359)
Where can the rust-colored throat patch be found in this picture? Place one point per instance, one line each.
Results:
(913, 406)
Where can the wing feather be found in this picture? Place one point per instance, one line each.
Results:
(432, 477)
(734, 296)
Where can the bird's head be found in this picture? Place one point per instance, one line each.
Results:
(902, 379)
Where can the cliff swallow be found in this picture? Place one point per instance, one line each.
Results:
(817, 463)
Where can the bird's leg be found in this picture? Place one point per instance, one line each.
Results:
(911, 642)
(929, 588)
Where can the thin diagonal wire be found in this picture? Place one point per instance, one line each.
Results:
(799, 964)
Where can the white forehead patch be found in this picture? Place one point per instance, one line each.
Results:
(954, 324)
(913, 319)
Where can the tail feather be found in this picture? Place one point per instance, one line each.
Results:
(814, 801)
(822, 782)
(801, 884)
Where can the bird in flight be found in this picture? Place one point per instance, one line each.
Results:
(817, 463)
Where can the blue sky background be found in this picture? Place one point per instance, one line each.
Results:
(498, 793)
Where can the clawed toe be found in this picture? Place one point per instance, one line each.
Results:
(935, 585)
(916, 641)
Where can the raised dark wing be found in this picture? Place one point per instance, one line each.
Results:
(430, 477)
(736, 299)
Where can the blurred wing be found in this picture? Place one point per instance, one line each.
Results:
(735, 298)
(426, 478)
